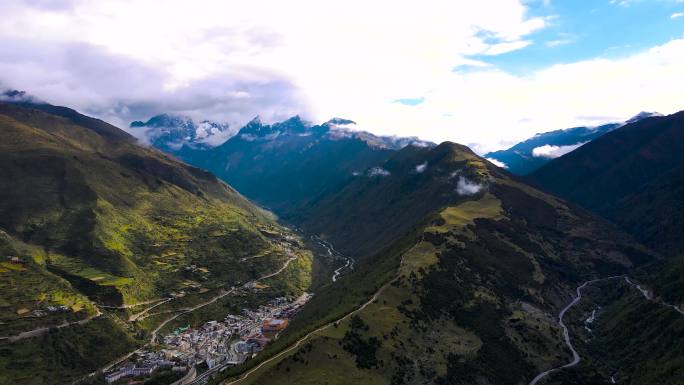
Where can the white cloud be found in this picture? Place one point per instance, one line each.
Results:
(378, 171)
(129, 59)
(421, 167)
(677, 15)
(559, 42)
(464, 186)
(549, 151)
(497, 163)
(505, 47)
(350, 58)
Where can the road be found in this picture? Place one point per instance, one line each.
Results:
(297, 343)
(130, 305)
(287, 263)
(134, 317)
(214, 370)
(153, 337)
(648, 296)
(40, 331)
(566, 333)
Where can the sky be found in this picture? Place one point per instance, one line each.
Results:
(486, 73)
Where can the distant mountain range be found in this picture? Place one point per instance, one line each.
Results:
(529, 155)
(283, 165)
(460, 268)
(171, 132)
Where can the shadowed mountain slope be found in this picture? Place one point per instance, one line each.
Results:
(470, 267)
(632, 176)
(285, 165)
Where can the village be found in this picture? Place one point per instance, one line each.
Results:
(198, 353)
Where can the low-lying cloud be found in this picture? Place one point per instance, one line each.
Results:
(464, 186)
(421, 167)
(497, 163)
(549, 151)
(378, 171)
(119, 89)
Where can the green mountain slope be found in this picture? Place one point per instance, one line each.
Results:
(634, 176)
(375, 208)
(631, 176)
(90, 219)
(466, 292)
(522, 159)
(285, 165)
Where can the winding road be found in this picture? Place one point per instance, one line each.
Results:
(297, 343)
(566, 333)
(135, 317)
(153, 337)
(40, 331)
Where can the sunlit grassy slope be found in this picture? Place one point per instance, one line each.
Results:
(96, 220)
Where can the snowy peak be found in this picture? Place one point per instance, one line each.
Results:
(340, 128)
(169, 122)
(167, 131)
(255, 130)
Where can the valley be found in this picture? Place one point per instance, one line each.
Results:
(408, 263)
(566, 333)
(342, 192)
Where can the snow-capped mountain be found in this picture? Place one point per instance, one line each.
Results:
(284, 164)
(172, 132)
(334, 129)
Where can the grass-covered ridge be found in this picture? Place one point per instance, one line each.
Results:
(96, 222)
(466, 294)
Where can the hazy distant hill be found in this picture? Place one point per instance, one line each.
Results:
(633, 176)
(529, 155)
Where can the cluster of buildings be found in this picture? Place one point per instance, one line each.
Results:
(209, 343)
(14, 259)
(217, 343)
(51, 309)
(145, 364)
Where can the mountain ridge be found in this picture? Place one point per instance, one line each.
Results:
(459, 292)
(284, 165)
(91, 222)
(527, 156)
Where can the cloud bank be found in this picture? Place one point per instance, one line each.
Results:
(549, 151)
(497, 163)
(395, 67)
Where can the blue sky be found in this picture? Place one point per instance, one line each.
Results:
(585, 29)
(485, 73)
